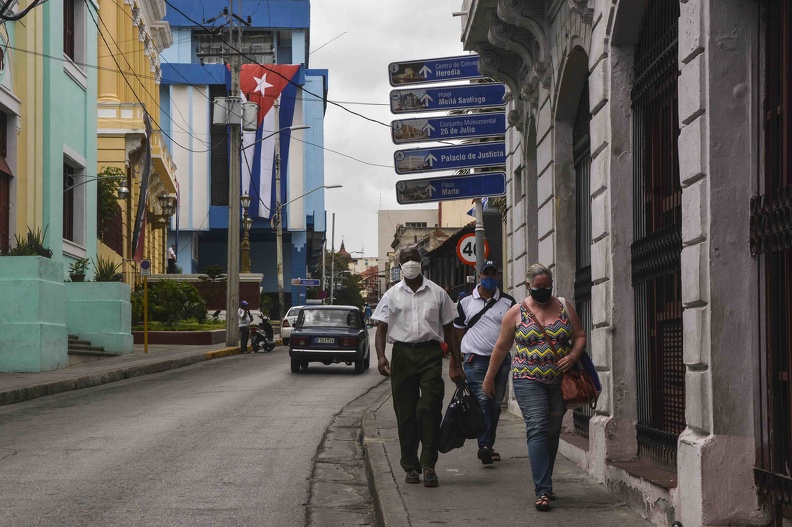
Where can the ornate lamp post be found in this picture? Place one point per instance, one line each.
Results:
(167, 206)
(247, 222)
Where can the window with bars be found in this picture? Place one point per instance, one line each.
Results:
(657, 243)
(771, 242)
(581, 144)
(68, 201)
(69, 29)
(5, 186)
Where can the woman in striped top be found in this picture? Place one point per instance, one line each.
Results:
(549, 340)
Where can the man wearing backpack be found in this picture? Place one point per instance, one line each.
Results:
(478, 325)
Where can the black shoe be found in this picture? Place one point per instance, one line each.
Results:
(485, 455)
(430, 478)
(412, 477)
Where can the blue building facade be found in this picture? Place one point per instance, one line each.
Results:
(193, 76)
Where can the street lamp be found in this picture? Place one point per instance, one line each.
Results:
(279, 226)
(247, 221)
(122, 191)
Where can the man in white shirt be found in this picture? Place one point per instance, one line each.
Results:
(245, 318)
(416, 315)
(478, 326)
(172, 259)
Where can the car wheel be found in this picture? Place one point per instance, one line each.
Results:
(359, 366)
(367, 360)
(286, 341)
(304, 365)
(295, 366)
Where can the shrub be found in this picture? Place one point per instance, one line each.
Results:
(106, 270)
(31, 245)
(169, 302)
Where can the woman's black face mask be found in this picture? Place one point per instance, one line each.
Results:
(541, 294)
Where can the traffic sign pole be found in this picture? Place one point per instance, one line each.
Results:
(479, 234)
(145, 313)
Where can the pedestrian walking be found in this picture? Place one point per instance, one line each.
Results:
(478, 326)
(549, 339)
(416, 315)
(367, 313)
(245, 319)
(172, 259)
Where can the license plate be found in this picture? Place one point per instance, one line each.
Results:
(324, 340)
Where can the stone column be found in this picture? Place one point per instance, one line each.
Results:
(108, 74)
(718, 152)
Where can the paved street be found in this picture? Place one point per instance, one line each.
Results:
(225, 442)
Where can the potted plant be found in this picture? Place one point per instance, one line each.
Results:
(77, 269)
(106, 271)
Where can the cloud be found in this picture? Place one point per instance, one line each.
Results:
(378, 32)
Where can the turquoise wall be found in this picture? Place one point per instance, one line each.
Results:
(100, 312)
(33, 321)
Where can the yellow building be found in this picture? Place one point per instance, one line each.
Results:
(129, 43)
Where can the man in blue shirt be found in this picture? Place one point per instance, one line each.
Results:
(478, 325)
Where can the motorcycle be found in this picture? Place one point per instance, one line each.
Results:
(262, 336)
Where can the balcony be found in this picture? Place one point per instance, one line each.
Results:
(125, 120)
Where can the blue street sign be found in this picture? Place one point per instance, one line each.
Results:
(448, 98)
(451, 127)
(306, 282)
(451, 188)
(434, 70)
(416, 160)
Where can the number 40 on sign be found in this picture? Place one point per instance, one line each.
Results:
(466, 249)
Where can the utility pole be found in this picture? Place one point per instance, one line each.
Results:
(332, 263)
(234, 123)
(278, 210)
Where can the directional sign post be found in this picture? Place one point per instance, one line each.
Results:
(434, 70)
(417, 160)
(450, 188)
(306, 282)
(447, 98)
(452, 127)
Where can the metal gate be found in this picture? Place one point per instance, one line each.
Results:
(657, 244)
(581, 144)
(771, 242)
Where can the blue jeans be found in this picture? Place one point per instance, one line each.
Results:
(542, 406)
(475, 370)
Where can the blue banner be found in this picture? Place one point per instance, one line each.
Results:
(448, 98)
(434, 70)
(451, 127)
(417, 160)
(450, 188)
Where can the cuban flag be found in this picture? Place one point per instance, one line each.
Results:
(264, 85)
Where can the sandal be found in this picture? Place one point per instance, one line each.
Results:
(496, 457)
(552, 496)
(542, 503)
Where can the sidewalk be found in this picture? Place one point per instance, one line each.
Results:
(18, 387)
(473, 494)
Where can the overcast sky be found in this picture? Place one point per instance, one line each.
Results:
(374, 33)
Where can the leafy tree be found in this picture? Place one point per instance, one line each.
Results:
(349, 286)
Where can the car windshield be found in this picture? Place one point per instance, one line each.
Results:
(328, 318)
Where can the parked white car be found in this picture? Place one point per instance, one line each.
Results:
(288, 322)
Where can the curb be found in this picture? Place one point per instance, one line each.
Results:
(389, 506)
(97, 379)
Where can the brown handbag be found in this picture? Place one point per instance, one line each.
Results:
(577, 388)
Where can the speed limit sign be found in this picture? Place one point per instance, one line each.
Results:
(466, 249)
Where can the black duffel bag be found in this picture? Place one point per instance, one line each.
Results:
(462, 420)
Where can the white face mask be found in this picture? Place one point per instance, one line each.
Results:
(411, 269)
